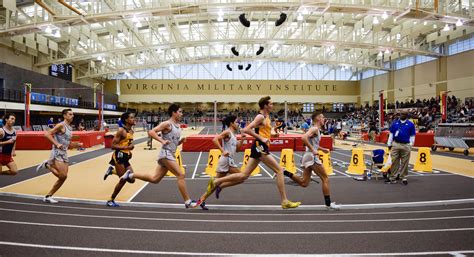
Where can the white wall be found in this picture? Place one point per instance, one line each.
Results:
(424, 75)
(403, 79)
(366, 91)
(18, 59)
(380, 83)
(461, 74)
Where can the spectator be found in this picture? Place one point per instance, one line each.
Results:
(51, 123)
(81, 125)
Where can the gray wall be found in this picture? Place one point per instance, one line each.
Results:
(14, 78)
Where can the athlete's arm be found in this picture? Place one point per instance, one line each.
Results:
(49, 134)
(255, 123)
(317, 131)
(217, 140)
(13, 150)
(240, 141)
(162, 127)
(121, 134)
(305, 138)
(11, 141)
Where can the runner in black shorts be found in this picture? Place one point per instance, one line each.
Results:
(123, 146)
(259, 152)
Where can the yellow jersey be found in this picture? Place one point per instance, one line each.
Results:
(265, 129)
(128, 140)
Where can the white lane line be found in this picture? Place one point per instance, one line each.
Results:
(26, 180)
(342, 173)
(235, 214)
(195, 168)
(139, 191)
(108, 250)
(440, 170)
(257, 207)
(239, 232)
(48, 172)
(296, 166)
(234, 221)
(266, 171)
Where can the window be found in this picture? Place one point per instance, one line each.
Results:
(461, 46)
(404, 62)
(422, 59)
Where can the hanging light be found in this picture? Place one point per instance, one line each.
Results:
(300, 17)
(48, 30)
(304, 11)
(435, 26)
(387, 51)
(384, 15)
(425, 23)
(376, 21)
(220, 16)
(380, 53)
(459, 23)
(446, 27)
(57, 34)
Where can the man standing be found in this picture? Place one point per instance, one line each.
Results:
(400, 141)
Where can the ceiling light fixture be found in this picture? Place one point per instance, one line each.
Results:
(300, 17)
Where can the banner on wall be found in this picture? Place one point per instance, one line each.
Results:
(236, 87)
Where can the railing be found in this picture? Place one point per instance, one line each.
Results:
(18, 96)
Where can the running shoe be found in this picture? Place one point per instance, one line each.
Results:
(391, 181)
(49, 199)
(218, 191)
(210, 185)
(405, 181)
(289, 204)
(202, 204)
(333, 207)
(109, 172)
(193, 204)
(126, 176)
(42, 166)
(112, 203)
